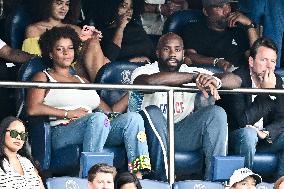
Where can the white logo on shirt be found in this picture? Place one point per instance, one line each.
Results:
(71, 184)
(234, 42)
(126, 77)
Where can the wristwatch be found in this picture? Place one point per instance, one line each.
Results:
(267, 138)
(251, 25)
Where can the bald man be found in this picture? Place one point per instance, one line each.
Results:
(205, 128)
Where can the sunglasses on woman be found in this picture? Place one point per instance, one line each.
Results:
(14, 134)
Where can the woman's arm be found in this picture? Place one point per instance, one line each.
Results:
(40, 180)
(35, 106)
(35, 97)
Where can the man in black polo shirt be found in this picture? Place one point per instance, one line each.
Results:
(221, 38)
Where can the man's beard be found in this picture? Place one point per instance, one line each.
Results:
(222, 24)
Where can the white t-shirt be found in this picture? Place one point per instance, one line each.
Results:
(2, 44)
(183, 101)
(155, 1)
(12, 179)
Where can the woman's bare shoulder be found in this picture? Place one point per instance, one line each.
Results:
(40, 76)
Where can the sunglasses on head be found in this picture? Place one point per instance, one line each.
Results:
(14, 134)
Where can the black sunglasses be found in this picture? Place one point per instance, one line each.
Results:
(14, 134)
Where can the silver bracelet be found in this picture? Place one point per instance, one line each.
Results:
(65, 114)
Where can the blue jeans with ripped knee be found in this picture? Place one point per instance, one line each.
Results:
(95, 131)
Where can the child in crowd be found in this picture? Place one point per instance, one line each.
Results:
(101, 176)
(244, 178)
(127, 180)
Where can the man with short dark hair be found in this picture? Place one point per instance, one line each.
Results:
(254, 119)
(101, 176)
(14, 55)
(221, 38)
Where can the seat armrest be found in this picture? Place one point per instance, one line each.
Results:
(40, 140)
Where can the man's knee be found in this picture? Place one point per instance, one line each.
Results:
(247, 136)
(153, 110)
(217, 113)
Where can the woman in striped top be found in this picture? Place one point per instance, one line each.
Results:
(16, 168)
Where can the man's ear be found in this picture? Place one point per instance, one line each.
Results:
(205, 11)
(250, 61)
(50, 56)
(157, 54)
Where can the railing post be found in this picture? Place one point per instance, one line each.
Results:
(171, 161)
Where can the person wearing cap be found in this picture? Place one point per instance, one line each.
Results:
(220, 39)
(14, 55)
(244, 178)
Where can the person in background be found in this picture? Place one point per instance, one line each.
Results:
(126, 180)
(244, 178)
(16, 167)
(124, 37)
(279, 184)
(101, 176)
(221, 39)
(53, 13)
(157, 11)
(13, 55)
(270, 15)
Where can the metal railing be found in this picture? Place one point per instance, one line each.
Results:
(157, 88)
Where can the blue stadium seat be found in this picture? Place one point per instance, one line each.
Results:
(151, 184)
(16, 23)
(116, 72)
(197, 184)
(178, 20)
(66, 183)
(224, 166)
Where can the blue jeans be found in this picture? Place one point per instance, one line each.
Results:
(206, 129)
(244, 141)
(95, 131)
(268, 13)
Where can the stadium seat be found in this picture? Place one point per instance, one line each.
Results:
(151, 184)
(178, 20)
(66, 183)
(116, 72)
(197, 184)
(16, 23)
(224, 166)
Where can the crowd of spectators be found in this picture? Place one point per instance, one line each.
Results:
(224, 38)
